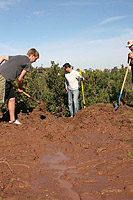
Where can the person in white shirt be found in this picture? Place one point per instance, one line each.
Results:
(71, 82)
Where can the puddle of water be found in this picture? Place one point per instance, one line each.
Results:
(54, 162)
(69, 191)
(54, 166)
(54, 159)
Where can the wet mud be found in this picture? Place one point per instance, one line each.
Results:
(88, 157)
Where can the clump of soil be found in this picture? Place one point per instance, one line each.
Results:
(88, 157)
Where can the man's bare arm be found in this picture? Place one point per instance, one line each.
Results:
(20, 80)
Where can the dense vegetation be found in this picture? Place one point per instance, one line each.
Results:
(48, 84)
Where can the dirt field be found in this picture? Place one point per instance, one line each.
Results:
(89, 157)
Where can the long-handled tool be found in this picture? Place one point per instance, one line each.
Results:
(82, 88)
(116, 107)
(42, 107)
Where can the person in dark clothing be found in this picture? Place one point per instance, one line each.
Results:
(130, 56)
(14, 67)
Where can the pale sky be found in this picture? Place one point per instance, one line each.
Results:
(85, 33)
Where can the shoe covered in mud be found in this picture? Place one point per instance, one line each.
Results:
(15, 122)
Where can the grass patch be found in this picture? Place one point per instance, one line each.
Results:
(130, 155)
(128, 141)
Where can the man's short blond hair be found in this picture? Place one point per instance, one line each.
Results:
(33, 52)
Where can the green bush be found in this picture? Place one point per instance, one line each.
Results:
(48, 84)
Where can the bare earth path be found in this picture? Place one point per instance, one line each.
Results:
(89, 157)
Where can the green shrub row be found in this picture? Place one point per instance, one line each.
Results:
(48, 84)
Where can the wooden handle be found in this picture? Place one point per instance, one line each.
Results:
(30, 97)
(125, 77)
(26, 94)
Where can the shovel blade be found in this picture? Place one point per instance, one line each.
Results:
(117, 106)
(42, 106)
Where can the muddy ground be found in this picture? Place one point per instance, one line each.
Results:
(88, 157)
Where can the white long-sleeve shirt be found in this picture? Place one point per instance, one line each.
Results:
(71, 80)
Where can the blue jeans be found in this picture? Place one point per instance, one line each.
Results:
(73, 102)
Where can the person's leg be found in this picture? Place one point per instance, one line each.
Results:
(9, 94)
(11, 107)
(70, 102)
(75, 100)
(132, 76)
(2, 93)
(1, 114)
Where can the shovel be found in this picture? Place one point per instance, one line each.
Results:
(116, 107)
(82, 88)
(42, 107)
